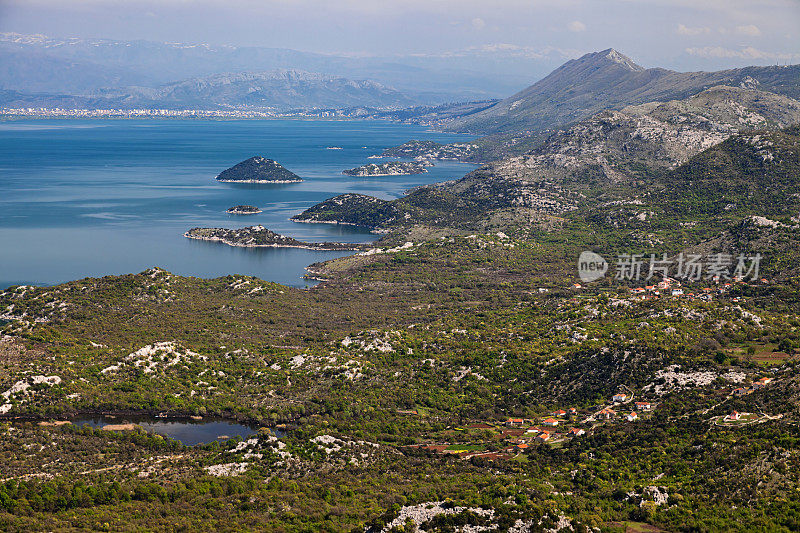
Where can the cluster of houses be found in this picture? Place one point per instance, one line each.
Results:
(608, 413)
(759, 384)
(673, 287)
(528, 431)
(518, 434)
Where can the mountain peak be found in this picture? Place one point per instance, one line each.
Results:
(617, 57)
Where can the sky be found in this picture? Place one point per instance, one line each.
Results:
(679, 34)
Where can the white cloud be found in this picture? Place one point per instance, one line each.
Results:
(576, 26)
(478, 23)
(688, 30)
(717, 52)
(749, 30)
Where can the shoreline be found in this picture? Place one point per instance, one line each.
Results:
(379, 175)
(374, 231)
(322, 247)
(259, 181)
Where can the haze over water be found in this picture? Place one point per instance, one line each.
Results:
(85, 198)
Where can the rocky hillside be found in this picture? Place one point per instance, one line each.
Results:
(391, 168)
(750, 177)
(628, 144)
(610, 80)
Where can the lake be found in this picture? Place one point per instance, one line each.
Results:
(188, 432)
(85, 198)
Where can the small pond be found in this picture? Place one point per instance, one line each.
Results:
(187, 431)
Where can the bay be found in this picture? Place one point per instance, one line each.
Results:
(97, 197)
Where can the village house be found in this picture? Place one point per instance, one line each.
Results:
(576, 432)
(631, 417)
(763, 382)
(543, 437)
(736, 415)
(677, 292)
(619, 397)
(514, 422)
(643, 406)
(741, 391)
(606, 414)
(572, 411)
(560, 412)
(552, 422)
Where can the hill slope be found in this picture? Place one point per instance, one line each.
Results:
(610, 80)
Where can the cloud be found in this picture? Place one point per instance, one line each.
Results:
(478, 23)
(750, 30)
(687, 30)
(576, 26)
(510, 50)
(717, 52)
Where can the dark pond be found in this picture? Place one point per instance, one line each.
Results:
(189, 432)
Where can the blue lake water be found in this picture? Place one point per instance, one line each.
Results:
(85, 198)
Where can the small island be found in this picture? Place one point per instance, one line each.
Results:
(243, 210)
(258, 169)
(261, 237)
(392, 168)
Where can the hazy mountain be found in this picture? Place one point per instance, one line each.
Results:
(35, 63)
(279, 89)
(610, 80)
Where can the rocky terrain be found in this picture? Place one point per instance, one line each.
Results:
(622, 145)
(259, 236)
(431, 151)
(258, 169)
(391, 168)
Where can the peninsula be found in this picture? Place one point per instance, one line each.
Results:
(258, 169)
(392, 168)
(261, 237)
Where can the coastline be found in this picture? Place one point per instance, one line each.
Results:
(258, 181)
(374, 231)
(325, 247)
(378, 175)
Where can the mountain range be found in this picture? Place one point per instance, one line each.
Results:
(278, 89)
(40, 64)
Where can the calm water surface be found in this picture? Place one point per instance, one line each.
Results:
(97, 197)
(189, 432)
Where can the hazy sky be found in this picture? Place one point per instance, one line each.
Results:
(683, 34)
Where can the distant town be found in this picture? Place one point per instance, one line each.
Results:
(57, 112)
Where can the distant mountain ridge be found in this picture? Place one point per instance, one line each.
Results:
(611, 80)
(42, 64)
(280, 89)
